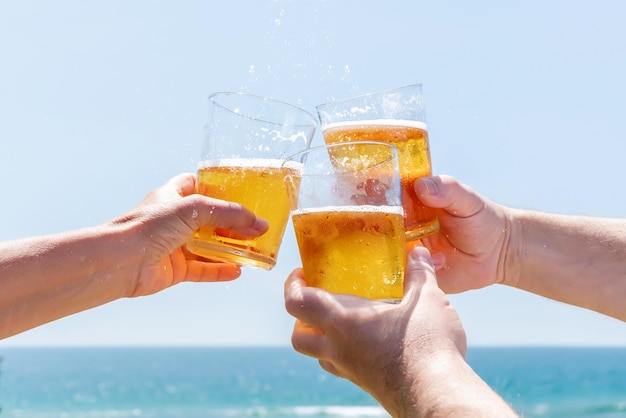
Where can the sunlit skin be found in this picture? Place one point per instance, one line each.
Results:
(410, 355)
(139, 253)
(578, 260)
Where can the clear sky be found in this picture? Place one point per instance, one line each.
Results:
(101, 102)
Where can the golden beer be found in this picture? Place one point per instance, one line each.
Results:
(411, 140)
(357, 250)
(259, 185)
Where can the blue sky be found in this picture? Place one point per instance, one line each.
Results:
(101, 102)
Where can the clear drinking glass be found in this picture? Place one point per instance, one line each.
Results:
(346, 209)
(247, 139)
(395, 116)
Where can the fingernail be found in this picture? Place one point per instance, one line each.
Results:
(429, 185)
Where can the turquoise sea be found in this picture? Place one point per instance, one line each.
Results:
(278, 382)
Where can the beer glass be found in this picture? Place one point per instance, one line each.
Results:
(397, 117)
(246, 140)
(346, 210)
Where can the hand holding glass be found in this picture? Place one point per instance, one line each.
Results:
(348, 219)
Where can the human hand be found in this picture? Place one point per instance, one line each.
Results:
(166, 219)
(381, 347)
(470, 249)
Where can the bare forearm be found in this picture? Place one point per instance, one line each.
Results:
(46, 278)
(576, 260)
(447, 387)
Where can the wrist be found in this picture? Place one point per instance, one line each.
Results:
(446, 386)
(130, 249)
(421, 387)
(437, 375)
(513, 248)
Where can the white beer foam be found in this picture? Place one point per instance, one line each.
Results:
(396, 210)
(294, 165)
(242, 162)
(377, 122)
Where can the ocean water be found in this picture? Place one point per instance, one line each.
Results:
(278, 382)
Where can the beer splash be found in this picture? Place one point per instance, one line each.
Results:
(297, 50)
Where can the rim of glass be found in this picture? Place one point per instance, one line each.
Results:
(373, 93)
(214, 96)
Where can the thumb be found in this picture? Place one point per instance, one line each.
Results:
(445, 192)
(419, 270)
(222, 214)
